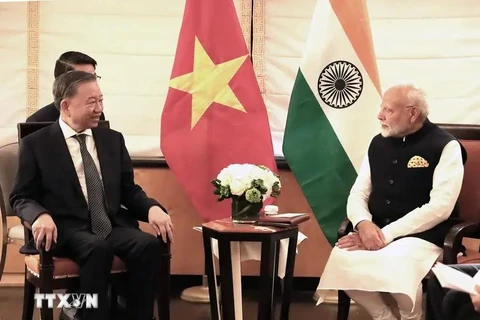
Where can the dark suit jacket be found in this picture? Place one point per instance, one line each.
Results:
(47, 181)
(49, 113)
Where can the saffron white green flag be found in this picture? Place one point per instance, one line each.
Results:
(332, 113)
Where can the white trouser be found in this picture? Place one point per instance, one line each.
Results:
(379, 310)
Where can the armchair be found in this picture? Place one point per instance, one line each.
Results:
(469, 209)
(47, 273)
(8, 167)
(468, 201)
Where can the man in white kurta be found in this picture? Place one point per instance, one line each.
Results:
(401, 208)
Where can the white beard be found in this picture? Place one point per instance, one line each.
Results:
(385, 131)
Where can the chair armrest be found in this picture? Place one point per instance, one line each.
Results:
(453, 241)
(29, 247)
(165, 246)
(345, 228)
(46, 258)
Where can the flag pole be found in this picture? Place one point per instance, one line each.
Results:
(198, 294)
(330, 298)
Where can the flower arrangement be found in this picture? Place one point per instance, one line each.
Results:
(248, 185)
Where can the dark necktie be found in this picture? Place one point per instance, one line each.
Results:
(101, 224)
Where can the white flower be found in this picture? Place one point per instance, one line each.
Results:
(225, 177)
(239, 178)
(269, 180)
(237, 187)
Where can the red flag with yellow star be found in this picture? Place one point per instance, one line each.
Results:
(214, 114)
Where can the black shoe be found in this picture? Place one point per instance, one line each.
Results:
(70, 314)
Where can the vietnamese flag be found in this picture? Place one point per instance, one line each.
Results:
(214, 114)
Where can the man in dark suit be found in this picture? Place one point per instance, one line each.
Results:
(68, 61)
(72, 179)
(445, 304)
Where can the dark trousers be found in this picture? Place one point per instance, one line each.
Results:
(445, 304)
(94, 255)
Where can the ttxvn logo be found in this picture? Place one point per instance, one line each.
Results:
(68, 300)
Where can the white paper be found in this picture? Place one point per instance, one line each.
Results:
(287, 215)
(453, 279)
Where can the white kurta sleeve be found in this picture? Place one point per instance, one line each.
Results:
(357, 204)
(447, 183)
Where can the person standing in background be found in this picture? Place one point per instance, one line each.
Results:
(68, 61)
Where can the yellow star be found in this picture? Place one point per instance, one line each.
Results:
(209, 83)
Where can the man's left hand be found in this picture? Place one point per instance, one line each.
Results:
(351, 242)
(161, 223)
(476, 299)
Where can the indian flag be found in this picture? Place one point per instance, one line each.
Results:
(332, 113)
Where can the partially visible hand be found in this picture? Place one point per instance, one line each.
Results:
(476, 299)
(371, 235)
(161, 223)
(351, 242)
(44, 228)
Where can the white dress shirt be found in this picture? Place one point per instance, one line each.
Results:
(447, 183)
(74, 148)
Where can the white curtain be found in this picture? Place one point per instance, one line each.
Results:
(13, 79)
(434, 43)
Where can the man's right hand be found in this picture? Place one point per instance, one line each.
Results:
(44, 229)
(371, 235)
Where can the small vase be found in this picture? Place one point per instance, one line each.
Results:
(242, 210)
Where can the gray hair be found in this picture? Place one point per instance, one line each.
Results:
(66, 85)
(415, 96)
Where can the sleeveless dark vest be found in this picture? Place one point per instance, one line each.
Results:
(397, 189)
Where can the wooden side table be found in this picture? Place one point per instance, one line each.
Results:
(228, 234)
